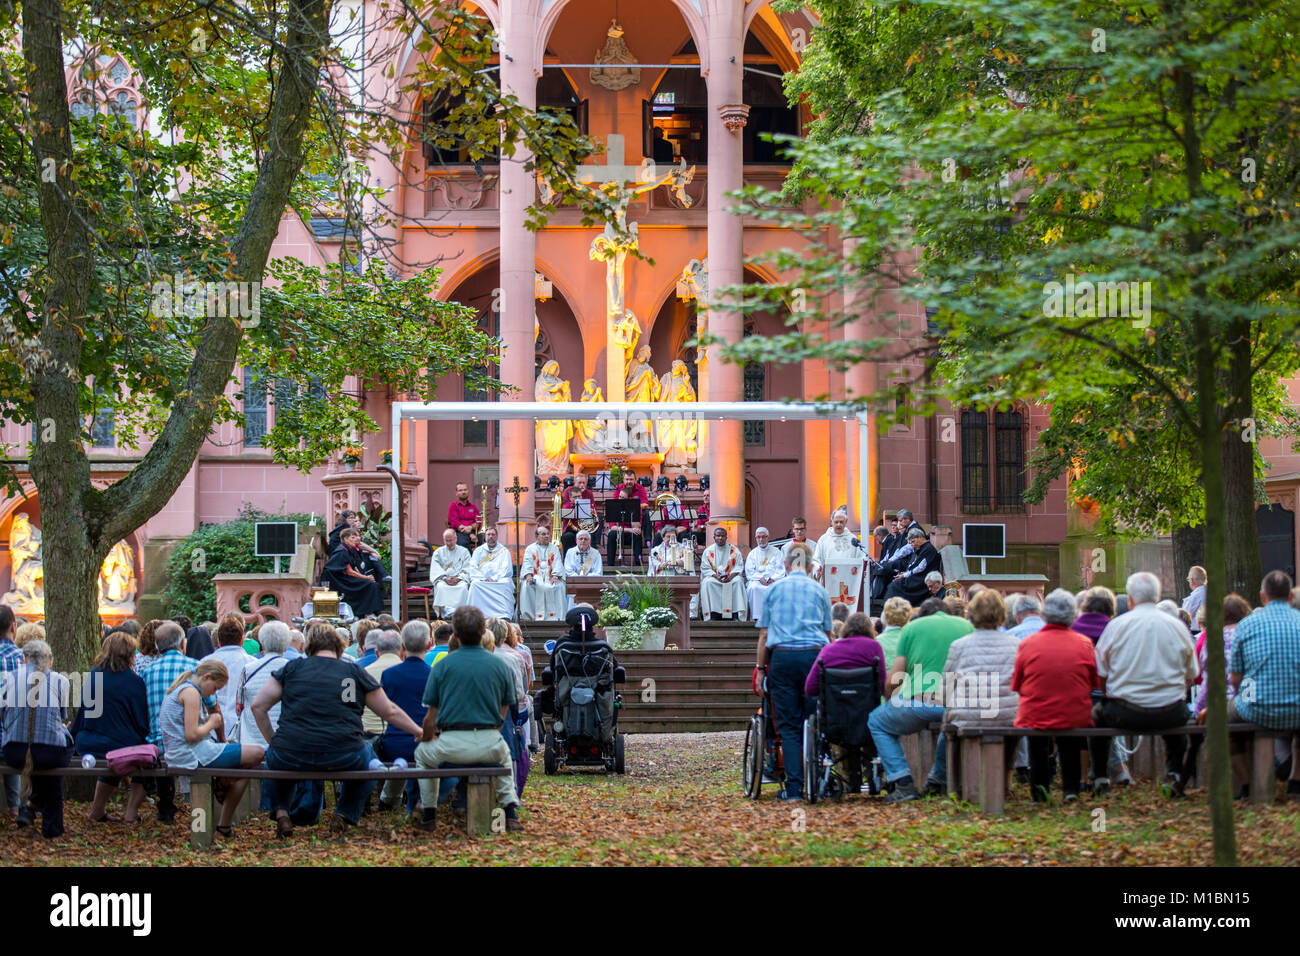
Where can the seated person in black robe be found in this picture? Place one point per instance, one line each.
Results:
(372, 564)
(344, 571)
(908, 571)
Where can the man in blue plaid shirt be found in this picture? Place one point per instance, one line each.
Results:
(11, 658)
(159, 676)
(1264, 668)
(793, 628)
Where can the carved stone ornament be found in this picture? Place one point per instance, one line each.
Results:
(616, 76)
(734, 116)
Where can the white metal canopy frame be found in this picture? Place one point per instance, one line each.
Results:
(621, 412)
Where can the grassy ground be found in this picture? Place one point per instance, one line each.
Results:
(680, 803)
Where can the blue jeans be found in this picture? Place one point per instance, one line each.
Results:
(890, 721)
(12, 784)
(354, 794)
(786, 673)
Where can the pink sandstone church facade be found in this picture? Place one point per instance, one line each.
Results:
(706, 74)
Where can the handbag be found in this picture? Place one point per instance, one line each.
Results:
(124, 760)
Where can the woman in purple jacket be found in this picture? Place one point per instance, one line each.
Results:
(856, 647)
(1097, 610)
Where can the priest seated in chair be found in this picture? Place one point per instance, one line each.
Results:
(910, 571)
(541, 579)
(492, 579)
(344, 573)
(763, 568)
(449, 574)
(722, 582)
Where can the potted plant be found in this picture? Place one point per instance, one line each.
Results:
(614, 619)
(351, 457)
(638, 608)
(386, 456)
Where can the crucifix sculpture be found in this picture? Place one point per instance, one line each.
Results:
(516, 489)
(622, 184)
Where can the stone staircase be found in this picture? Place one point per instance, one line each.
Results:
(704, 689)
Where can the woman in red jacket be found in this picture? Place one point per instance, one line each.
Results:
(1055, 673)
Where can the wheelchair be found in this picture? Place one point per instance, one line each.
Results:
(762, 744)
(845, 699)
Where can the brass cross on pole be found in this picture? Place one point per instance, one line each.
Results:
(516, 489)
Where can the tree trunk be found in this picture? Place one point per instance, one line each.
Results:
(1189, 550)
(1244, 571)
(1216, 729)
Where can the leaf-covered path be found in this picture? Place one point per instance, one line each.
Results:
(680, 803)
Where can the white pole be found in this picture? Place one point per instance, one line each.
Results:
(397, 560)
(864, 493)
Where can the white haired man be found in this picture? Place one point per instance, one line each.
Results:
(838, 562)
(1145, 662)
(934, 583)
(764, 566)
(1196, 578)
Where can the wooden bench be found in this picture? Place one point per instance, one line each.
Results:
(478, 788)
(983, 748)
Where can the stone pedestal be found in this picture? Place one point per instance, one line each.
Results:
(359, 490)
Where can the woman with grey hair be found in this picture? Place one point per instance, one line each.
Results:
(1055, 674)
(33, 708)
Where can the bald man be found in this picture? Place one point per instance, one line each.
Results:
(764, 566)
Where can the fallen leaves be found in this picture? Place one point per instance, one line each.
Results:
(680, 804)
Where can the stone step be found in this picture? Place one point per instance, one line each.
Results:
(680, 725)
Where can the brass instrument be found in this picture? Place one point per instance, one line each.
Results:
(557, 505)
(665, 497)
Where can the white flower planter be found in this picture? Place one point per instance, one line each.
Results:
(612, 635)
(653, 640)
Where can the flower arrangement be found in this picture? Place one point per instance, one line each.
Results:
(386, 456)
(637, 605)
(352, 455)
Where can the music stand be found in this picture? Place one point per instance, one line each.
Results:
(622, 511)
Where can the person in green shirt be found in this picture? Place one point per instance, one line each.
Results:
(915, 697)
(468, 695)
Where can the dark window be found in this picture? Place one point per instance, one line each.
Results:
(769, 112)
(476, 433)
(443, 144)
(755, 391)
(1009, 451)
(992, 461)
(974, 461)
(254, 409)
(101, 429)
(555, 94)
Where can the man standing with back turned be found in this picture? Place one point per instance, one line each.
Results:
(794, 627)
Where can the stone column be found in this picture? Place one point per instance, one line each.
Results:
(726, 120)
(517, 263)
(859, 381)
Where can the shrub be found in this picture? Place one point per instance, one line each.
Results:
(215, 549)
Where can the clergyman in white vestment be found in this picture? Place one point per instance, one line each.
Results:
(449, 574)
(582, 560)
(838, 562)
(764, 566)
(492, 587)
(722, 582)
(541, 580)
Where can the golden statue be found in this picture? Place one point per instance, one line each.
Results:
(117, 579)
(26, 594)
(677, 434)
(589, 434)
(552, 434)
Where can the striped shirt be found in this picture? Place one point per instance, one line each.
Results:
(1266, 652)
(162, 673)
(796, 612)
(44, 692)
